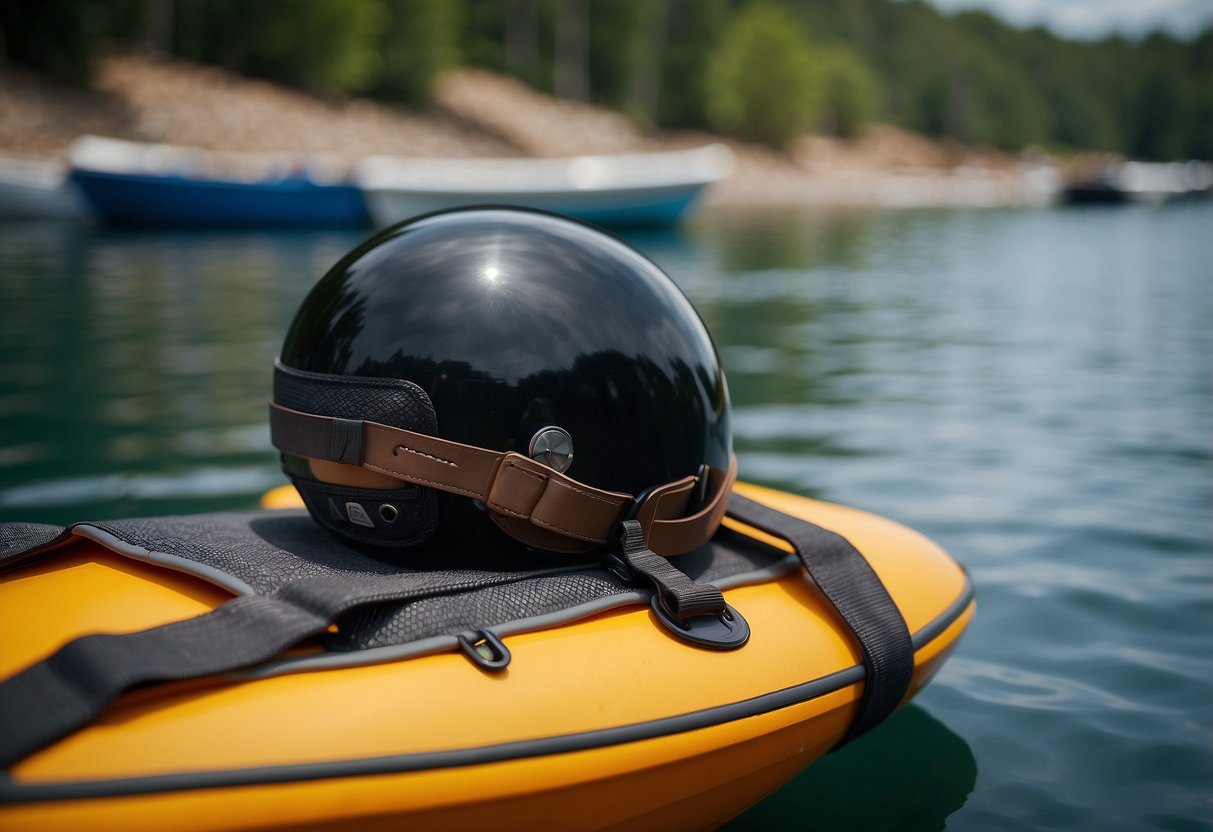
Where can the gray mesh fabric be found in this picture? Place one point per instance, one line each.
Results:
(259, 553)
(16, 539)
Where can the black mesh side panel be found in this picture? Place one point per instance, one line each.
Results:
(389, 401)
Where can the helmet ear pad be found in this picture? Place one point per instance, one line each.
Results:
(396, 517)
(399, 517)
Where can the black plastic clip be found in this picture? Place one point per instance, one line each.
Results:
(614, 560)
(485, 649)
(717, 626)
(726, 631)
(618, 567)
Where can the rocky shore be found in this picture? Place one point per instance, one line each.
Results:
(479, 113)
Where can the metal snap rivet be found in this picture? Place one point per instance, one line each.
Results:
(553, 446)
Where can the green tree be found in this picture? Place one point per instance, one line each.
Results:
(1200, 116)
(63, 39)
(418, 43)
(483, 36)
(328, 45)
(616, 44)
(693, 30)
(1172, 113)
(762, 81)
(852, 92)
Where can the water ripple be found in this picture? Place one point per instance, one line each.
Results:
(1019, 688)
(196, 482)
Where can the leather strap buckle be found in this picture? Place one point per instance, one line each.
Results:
(528, 490)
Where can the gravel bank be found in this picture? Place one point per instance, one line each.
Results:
(479, 113)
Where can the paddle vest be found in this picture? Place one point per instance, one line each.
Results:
(292, 582)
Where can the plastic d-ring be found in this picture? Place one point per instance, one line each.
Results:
(725, 631)
(485, 648)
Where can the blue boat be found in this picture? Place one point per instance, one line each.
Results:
(145, 185)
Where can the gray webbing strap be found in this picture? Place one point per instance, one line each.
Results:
(682, 597)
(53, 698)
(856, 592)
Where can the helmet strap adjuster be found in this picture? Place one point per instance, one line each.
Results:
(690, 611)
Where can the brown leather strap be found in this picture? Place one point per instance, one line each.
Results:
(529, 500)
(668, 531)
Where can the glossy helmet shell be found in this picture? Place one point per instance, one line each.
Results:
(512, 320)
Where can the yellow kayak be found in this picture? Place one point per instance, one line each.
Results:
(603, 722)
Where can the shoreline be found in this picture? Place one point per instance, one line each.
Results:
(477, 113)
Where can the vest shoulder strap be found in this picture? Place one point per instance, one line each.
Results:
(852, 587)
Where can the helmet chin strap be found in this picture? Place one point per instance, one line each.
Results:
(527, 500)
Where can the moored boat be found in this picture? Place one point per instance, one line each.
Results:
(624, 189)
(130, 183)
(37, 189)
(1152, 182)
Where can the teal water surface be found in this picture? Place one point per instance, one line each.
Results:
(1032, 388)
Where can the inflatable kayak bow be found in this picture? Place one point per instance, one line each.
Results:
(592, 717)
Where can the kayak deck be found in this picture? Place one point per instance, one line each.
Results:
(603, 722)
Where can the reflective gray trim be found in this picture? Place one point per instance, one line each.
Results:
(13, 792)
(760, 576)
(120, 547)
(421, 647)
(440, 644)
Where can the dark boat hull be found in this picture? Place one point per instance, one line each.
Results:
(152, 200)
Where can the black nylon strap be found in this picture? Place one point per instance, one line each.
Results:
(682, 597)
(51, 699)
(325, 443)
(856, 592)
(66, 691)
(347, 442)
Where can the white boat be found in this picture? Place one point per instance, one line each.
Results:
(622, 189)
(1166, 181)
(37, 189)
(1153, 182)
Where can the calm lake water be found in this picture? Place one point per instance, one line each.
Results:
(1032, 388)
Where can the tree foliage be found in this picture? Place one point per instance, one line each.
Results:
(694, 28)
(852, 92)
(322, 45)
(64, 38)
(743, 66)
(417, 42)
(763, 81)
(975, 78)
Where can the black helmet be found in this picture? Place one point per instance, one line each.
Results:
(506, 365)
